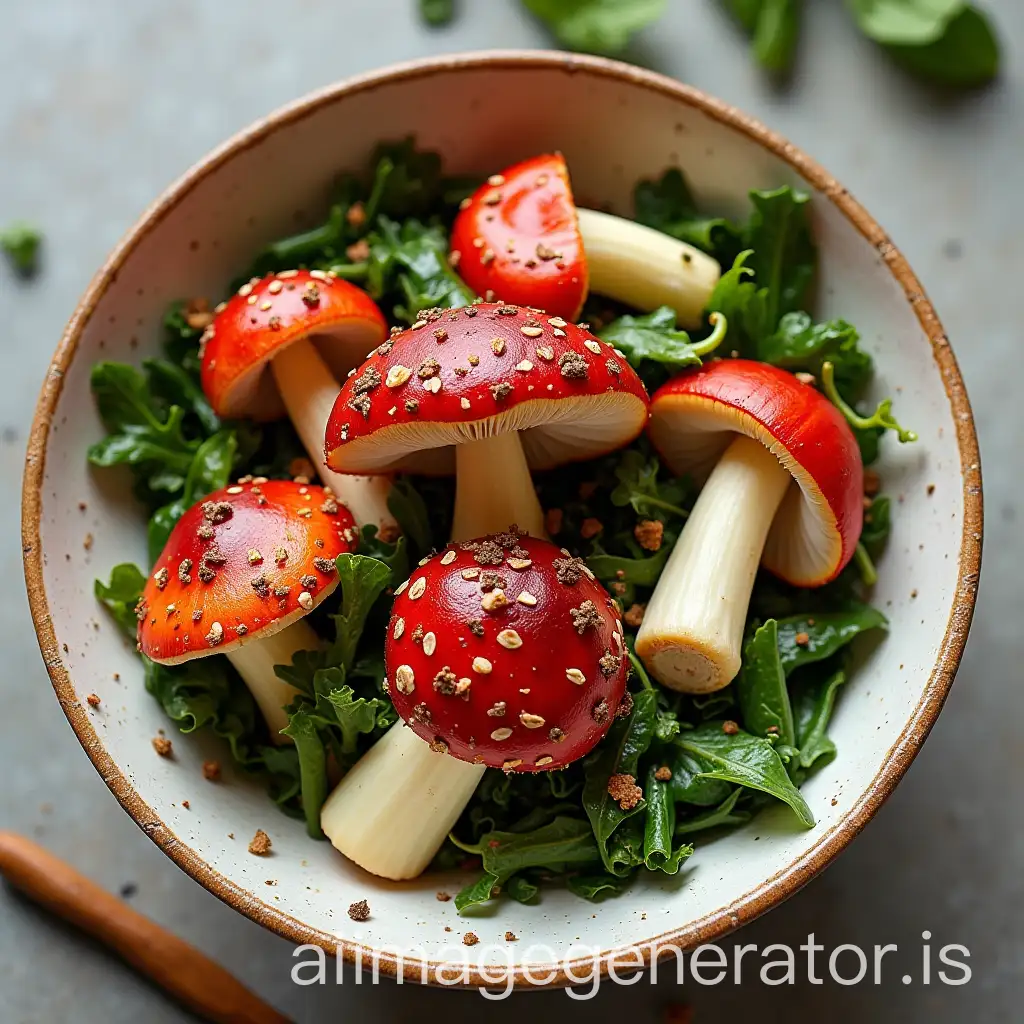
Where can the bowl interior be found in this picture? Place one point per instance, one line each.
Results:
(614, 126)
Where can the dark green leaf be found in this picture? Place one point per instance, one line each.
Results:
(800, 344)
(689, 785)
(722, 816)
(659, 826)
(905, 22)
(966, 55)
(596, 886)
(626, 847)
(744, 760)
(477, 892)
(617, 754)
(521, 889)
(178, 387)
(642, 572)
(639, 487)
(596, 26)
(784, 257)
(312, 767)
(363, 580)
(561, 842)
(406, 504)
(761, 686)
(121, 595)
(813, 702)
(20, 243)
(824, 633)
(744, 305)
(877, 526)
(393, 555)
(355, 716)
(774, 26)
(437, 12)
(667, 205)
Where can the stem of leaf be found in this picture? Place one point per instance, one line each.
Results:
(715, 338)
(868, 573)
(639, 669)
(667, 506)
(882, 417)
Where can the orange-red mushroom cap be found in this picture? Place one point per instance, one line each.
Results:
(243, 563)
(815, 531)
(517, 238)
(465, 374)
(268, 314)
(505, 651)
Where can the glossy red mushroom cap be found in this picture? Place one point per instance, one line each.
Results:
(242, 563)
(268, 314)
(464, 374)
(506, 651)
(816, 529)
(517, 238)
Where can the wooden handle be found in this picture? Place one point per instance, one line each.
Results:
(198, 983)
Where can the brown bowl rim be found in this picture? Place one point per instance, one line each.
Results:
(712, 926)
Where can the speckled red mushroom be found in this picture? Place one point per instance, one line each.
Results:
(521, 238)
(489, 391)
(239, 572)
(503, 652)
(787, 491)
(281, 344)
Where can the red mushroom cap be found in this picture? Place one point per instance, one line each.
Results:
(517, 238)
(243, 563)
(506, 651)
(818, 524)
(465, 374)
(268, 314)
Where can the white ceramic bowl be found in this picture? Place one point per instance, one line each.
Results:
(615, 124)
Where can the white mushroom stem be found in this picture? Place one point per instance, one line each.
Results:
(494, 489)
(692, 633)
(309, 388)
(255, 660)
(645, 268)
(392, 811)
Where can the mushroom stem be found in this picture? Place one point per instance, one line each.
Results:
(392, 811)
(494, 489)
(309, 389)
(645, 268)
(255, 663)
(692, 634)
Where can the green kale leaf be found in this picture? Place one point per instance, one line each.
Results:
(596, 26)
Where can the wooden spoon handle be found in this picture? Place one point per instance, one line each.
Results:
(198, 983)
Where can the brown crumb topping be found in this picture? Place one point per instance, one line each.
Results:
(359, 911)
(511, 937)
(730, 728)
(569, 570)
(211, 771)
(93, 700)
(585, 617)
(163, 746)
(572, 366)
(445, 681)
(649, 534)
(663, 774)
(635, 615)
(489, 552)
(217, 511)
(624, 791)
(260, 844)
(470, 939)
(609, 663)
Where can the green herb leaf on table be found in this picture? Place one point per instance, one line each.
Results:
(967, 54)
(596, 26)
(437, 12)
(21, 243)
(744, 760)
(774, 26)
(761, 687)
(480, 891)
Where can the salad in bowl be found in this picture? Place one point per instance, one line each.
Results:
(488, 529)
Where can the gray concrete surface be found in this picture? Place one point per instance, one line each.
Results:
(103, 103)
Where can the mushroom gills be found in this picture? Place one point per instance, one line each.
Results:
(692, 633)
(494, 489)
(309, 388)
(254, 661)
(645, 268)
(392, 811)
